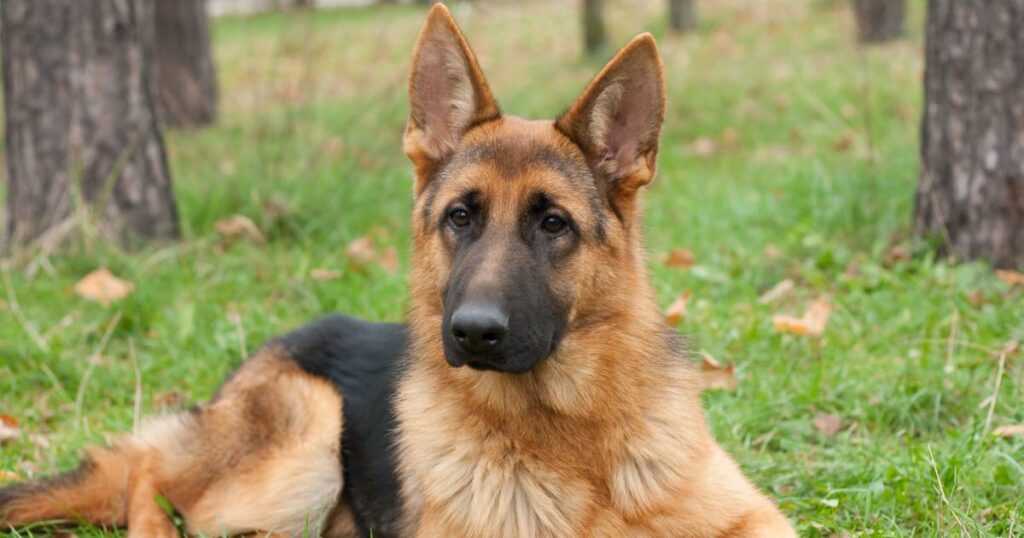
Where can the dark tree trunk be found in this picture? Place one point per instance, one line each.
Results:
(682, 15)
(184, 74)
(594, 36)
(879, 20)
(970, 191)
(79, 119)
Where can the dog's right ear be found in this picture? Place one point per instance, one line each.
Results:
(448, 94)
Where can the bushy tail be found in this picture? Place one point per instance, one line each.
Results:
(95, 493)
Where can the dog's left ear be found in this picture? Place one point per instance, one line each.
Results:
(448, 94)
(617, 119)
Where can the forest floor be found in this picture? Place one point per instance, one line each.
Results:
(790, 154)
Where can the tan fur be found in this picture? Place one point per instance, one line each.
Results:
(607, 436)
(262, 456)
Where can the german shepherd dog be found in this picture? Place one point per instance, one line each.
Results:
(536, 390)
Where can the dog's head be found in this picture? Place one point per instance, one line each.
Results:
(523, 228)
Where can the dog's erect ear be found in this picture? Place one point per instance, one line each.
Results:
(448, 94)
(617, 120)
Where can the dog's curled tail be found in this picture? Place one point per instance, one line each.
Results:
(95, 493)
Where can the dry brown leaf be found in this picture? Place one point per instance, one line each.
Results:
(1010, 277)
(388, 259)
(730, 138)
(9, 476)
(10, 430)
(813, 322)
(975, 298)
(361, 251)
(703, 146)
(778, 291)
(169, 398)
(677, 310)
(1009, 431)
(103, 287)
(239, 226)
(717, 375)
(843, 143)
(324, 274)
(1010, 348)
(679, 258)
(897, 254)
(828, 425)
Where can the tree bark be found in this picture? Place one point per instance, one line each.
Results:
(184, 74)
(682, 15)
(595, 38)
(79, 119)
(879, 21)
(970, 192)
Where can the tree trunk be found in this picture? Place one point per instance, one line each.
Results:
(879, 20)
(594, 36)
(970, 191)
(184, 77)
(79, 119)
(682, 15)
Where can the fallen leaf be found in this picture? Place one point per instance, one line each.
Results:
(324, 274)
(703, 146)
(813, 322)
(10, 430)
(1010, 277)
(1010, 348)
(843, 143)
(1009, 431)
(239, 226)
(103, 287)
(677, 310)
(361, 251)
(897, 254)
(276, 208)
(975, 298)
(169, 398)
(828, 425)
(782, 289)
(717, 375)
(9, 476)
(679, 259)
(730, 138)
(781, 101)
(388, 259)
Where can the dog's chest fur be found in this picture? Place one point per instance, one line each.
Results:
(533, 474)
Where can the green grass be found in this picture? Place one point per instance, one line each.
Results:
(313, 111)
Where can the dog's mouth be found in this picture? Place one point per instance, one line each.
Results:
(512, 360)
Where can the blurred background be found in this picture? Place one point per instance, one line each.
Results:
(186, 179)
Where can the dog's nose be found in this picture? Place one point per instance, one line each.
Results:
(479, 328)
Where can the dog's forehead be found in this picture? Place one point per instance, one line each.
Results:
(513, 147)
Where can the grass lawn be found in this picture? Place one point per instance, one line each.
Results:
(788, 153)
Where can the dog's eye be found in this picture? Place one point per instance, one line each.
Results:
(459, 218)
(553, 224)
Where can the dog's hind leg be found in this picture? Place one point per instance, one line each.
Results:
(263, 455)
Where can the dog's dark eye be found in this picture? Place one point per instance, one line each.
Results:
(553, 224)
(459, 218)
